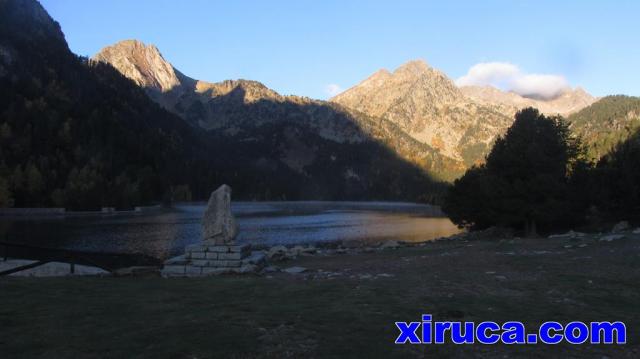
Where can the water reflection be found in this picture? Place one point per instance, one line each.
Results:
(166, 233)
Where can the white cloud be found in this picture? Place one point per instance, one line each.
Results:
(509, 77)
(333, 89)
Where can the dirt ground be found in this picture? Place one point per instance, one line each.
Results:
(343, 305)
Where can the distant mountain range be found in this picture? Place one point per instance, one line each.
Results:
(395, 135)
(241, 109)
(416, 110)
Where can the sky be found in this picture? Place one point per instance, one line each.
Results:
(319, 48)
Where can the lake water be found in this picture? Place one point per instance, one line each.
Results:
(165, 233)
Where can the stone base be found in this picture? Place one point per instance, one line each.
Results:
(208, 259)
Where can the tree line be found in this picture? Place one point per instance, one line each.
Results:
(538, 176)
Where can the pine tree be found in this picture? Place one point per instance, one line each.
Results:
(525, 181)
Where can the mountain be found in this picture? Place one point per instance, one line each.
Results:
(187, 97)
(508, 103)
(427, 105)
(607, 122)
(77, 134)
(242, 110)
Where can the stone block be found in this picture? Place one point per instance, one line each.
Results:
(197, 247)
(179, 260)
(233, 255)
(197, 255)
(233, 263)
(218, 249)
(213, 255)
(225, 263)
(200, 262)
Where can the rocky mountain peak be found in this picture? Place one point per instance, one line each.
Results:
(413, 67)
(428, 106)
(414, 81)
(142, 63)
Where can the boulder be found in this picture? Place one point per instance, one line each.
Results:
(248, 268)
(257, 257)
(620, 227)
(218, 224)
(277, 253)
(568, 235)
(611, 237)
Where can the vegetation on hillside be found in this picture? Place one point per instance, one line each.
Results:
(542, 173)
(607, 122)
(615, 180)
(77, 134)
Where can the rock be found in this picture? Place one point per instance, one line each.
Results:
(218, 224)
(295, 270)
(308, 251)
(300, 251)
(569, 235)
(611, 237)
(501, 277)
(173, 270)
(636, 231)
(257, 257)
(390, 244)
(179, 260)
(248, 268)
(270, 269)
(295, 251)
(277, 253)
(620, 227)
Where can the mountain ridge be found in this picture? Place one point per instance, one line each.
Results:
(426, 104)
(568, 102)
(209, 106)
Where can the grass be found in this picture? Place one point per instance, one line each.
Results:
(351, 315)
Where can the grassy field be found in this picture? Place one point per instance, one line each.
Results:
(344, 306)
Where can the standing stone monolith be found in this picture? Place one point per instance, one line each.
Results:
(217, 253)
(218, 225)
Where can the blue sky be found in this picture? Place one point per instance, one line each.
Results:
(301, 47)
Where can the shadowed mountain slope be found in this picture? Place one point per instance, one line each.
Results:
(240, 109)
(77, 133)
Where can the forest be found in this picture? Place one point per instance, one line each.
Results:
(539, 175)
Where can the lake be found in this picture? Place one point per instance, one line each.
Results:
(165, 233)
